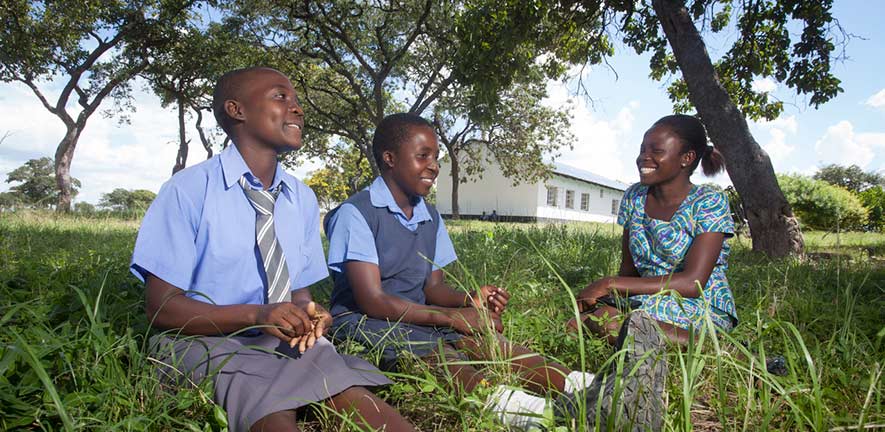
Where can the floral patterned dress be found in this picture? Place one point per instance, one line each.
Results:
(659, 248)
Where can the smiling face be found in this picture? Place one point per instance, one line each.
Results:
(661, 158)
(413, 166)
(268, 111)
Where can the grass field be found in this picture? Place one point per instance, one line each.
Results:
(73, 330)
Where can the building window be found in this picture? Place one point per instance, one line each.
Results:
(601, 192)
(585, 201)
(615, 204)
(551, 195)
(570, 199)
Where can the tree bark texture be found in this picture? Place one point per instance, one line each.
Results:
(774, 229)
(63, 156)
(181, 157)
(203, 139)
(456, 181)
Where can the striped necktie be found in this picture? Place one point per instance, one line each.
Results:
(275, 269)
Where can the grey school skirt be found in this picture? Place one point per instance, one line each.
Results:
(259, 375)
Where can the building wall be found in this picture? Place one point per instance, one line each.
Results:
(599, 205)
(492, 192)
(495, 192)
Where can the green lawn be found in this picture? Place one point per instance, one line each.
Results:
(73, 332)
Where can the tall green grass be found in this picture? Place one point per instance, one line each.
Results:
(73, 331)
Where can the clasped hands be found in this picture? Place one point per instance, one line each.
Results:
(298, 324)
(487, 304)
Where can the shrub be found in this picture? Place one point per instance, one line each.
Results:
(820, 205)
(874, 200)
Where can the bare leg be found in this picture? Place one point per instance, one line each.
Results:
(466, 376)
(278, 421)
(370, 411)
(609, 327)
(676, 335)
(604, 321)
(539, 374)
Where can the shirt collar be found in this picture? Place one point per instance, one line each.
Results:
(380, 196)
(233, 166)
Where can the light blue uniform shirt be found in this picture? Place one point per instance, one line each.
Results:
(352, 239)
(199, 233)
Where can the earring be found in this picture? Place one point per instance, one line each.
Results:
(683, 165)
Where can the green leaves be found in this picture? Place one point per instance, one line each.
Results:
(764, 47)
(37, 187)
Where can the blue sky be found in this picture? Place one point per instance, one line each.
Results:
(847, 130)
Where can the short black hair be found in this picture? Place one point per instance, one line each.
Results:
(392, 131)
(226, 88)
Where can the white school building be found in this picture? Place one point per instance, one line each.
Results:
(570, 194)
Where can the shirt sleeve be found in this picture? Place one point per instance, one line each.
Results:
(350, 238)
(165, 246)
(314, 269)
(624, 210)
(445, 250)
(713, 214)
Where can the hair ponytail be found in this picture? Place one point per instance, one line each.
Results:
(712, 162)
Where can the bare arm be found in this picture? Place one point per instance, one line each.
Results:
(628, 268)
(699, 264)
(365, 280)
(441, 294)
(167, 307)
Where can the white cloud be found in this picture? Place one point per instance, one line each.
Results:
(764, 85)
(139, 155)
(841, 145)
(877, 100)
(600, 145)
(779, 131)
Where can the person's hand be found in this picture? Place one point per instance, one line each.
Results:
(320, 321)
(470, 321)
(285, 320)
(491, 297)
(588, 296)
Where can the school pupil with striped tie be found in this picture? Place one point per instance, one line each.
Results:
(227, 251)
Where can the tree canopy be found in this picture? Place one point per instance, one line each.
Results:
(92, 47)
(127, 201)
(36, 184)
(853, 177)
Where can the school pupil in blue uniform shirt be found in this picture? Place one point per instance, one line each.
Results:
(205, 282)
(386, 250)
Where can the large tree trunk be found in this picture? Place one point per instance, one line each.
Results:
(456, 181)
(63, 156)
(774, 229)
(181, 157)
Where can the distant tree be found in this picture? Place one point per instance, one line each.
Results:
(84, 208)
(851, 177)
(127, 201)
(92, 48)
(517, 138)
(336, 182)
(823, 206)
(37, 186)
(9, 200)
(873, 199)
